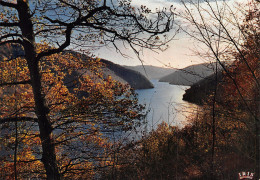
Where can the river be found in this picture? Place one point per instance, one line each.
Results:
(164, 104)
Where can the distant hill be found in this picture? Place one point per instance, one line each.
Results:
(134, 78)
(199, 91)
(10, 51)
(190, 75)
(152, 72)
(120, 73)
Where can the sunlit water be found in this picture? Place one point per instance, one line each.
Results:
(164, 104)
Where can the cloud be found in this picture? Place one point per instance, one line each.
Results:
(153, 4)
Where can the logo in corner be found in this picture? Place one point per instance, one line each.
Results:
(246, 175)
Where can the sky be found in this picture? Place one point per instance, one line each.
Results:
(179, 54)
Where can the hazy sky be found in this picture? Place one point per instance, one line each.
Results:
(177, 55)
(180, 53)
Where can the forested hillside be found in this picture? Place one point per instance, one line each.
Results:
(152, 72)
(199, 91)
(135, 79)
(117, 72)
(63, 112)
(191, 74)
(222, 140)
(50, 130)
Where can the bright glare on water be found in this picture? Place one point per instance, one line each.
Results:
(165, 103)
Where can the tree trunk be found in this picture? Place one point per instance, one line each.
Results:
(48, 147)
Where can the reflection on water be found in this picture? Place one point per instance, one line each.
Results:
(165, 103)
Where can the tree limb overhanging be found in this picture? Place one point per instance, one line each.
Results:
(65, 123)
(14, 83)
(84, 22)
(3, 3)
(18, 119)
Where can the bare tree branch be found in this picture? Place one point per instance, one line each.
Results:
(18, 41)
(10, 35)
(7, 4)
(57, 50)
(6, 24)
(14, 83)
(18, 119)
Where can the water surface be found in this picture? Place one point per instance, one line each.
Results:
(164, 103)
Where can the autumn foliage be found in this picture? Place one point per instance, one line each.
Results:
(83, 103)
(222, 138)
